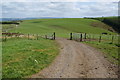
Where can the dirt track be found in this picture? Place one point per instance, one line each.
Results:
(77, 60)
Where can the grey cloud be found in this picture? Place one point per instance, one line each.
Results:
(57, 9)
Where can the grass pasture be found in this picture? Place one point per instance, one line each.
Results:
(60, 26)
(23, 57)
(104, 38)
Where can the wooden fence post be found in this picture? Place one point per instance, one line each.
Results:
(28, 36)
(54, 36)
(45, 36)
(112, 38)
(89, 37)
(85, 36)
(81, 37)
(70, 36)
(37, 36)
(100, 39)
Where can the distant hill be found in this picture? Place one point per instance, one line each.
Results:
(17, 19)
(14, 19)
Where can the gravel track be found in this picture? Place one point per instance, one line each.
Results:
(78, 60)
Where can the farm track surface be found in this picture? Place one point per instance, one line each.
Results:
(78, 60)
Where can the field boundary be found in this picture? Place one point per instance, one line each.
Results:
(6, 36)
(94, 37)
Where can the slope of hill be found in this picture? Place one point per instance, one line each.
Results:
(114, 22)
(37, 54)
(64, 25)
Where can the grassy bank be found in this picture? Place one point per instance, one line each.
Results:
(111, 21)
(22, 57)
(110, 50)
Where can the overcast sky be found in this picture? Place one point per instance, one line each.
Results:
(57, 8)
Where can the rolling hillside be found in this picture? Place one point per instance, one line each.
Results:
(37, 54)
(64, 25)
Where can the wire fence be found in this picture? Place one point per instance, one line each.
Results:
(73, 36)
(94, 37)
(50, 36)
(7, 36)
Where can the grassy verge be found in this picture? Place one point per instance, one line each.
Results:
(22, 57)
(110, 50)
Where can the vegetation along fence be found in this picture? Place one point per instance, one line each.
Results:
(50, 36)
(94, 37)
(6, 36)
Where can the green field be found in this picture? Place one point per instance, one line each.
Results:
(60, 26)
(23, 57)
(20, 55)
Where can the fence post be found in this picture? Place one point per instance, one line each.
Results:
(100, 39)
(81, 37)
(28, 36)
(54, 36)
(112, 38)
(45, 36)
(70, 36)
(85, 36)
(37, 36)
(89, 37)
